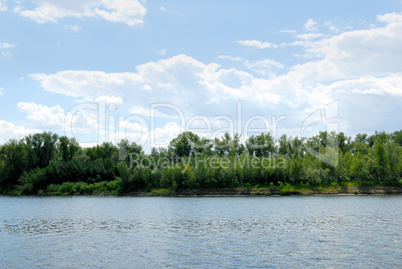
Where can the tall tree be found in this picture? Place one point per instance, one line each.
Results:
(262, 145)
(227, 145)
(184, 145)
(381, 157)
(13, 155)
(68, 148)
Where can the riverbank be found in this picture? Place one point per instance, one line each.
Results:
(112, 188)
(290, 190)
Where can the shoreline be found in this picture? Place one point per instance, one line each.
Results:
(243, 192)
(258, 192)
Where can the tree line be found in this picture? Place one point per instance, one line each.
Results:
(47, 163)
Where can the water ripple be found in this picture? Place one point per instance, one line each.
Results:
(201, 233)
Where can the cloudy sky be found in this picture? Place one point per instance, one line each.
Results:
(103, 70)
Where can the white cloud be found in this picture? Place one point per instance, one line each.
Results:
(140, 134)
(162, 52)
(162, 9)
(390, 18)
(360, 53)
(355, 67)
(87, 83)
(288, 31)
(333, 28)
(74, 28)
(390, 85)
(80, 119)
(86, 120)
(309, 36)
(9, 131)
(1, 91)
(125, 11)
(257, 44)
(130, 12)
(182, 81)
(46, 116)
(137, 110)
(6, 54)
(3, 5)
(264, 67)
(4, 46)
(132, 128)
(231, 58)
(116, 100)
(4, 49)
(310, 25)
(162, 136)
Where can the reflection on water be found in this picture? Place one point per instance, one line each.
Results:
(107, 232)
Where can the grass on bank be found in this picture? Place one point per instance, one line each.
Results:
(115, 188)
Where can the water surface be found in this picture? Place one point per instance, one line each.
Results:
(224, 232)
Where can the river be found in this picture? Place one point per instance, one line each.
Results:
(201, 232)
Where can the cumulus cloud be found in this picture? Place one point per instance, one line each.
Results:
(161, 136)
(142, 135)
(9, 131)
(86, 83)
(46, 116)
(83, 118)
(138, 110)
(361, 52)
(1, 91)
(355, 65)
(173, 80)
(266, 67)
(123, 11)
(389, 85)
(116, 100)
(257, 44)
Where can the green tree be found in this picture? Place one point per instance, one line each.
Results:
(68, 148)
(41, 149)
(128, 151)
(397, 137)
(184, 145)
(104, 151)
(262, 145)
(126, 177)
(296, 170)
(381, 157)
(13, 156)
(284, 145)
(394, 157)
(344, 142)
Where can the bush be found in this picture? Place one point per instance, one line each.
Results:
(33, 181)
(287, 190)
(161, 192)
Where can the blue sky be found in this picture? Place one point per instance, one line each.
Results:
(96, 69)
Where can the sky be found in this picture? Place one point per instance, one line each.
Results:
(106, 70)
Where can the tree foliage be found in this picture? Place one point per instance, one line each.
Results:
(42, 161)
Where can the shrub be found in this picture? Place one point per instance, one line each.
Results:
(161, 192)
(287, 190)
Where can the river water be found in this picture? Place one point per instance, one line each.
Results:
(206, 232)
